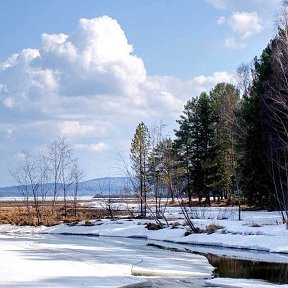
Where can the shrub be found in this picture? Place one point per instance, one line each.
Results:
(212, 228)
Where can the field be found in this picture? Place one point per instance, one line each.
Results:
(23, 213)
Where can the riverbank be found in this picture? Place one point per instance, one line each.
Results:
(257, 231)
(104, 262)
(259, 235)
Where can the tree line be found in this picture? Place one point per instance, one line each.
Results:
(200, 159)
(231, 141)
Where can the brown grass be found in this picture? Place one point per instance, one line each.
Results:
(212, 228)
(17, 213)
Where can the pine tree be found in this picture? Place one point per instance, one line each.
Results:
(225, 101)
(139, 153)
(194, 146)
(203, 156)
(183, 145)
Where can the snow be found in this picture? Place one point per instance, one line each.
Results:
(258, 236)
(264, 234)
(240, 283)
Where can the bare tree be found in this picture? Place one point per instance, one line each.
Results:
(77, 176)
(125, 168)
(275, 112)
(61, 165)
(66, 170)
(154, 163)
(54, 164)
(28, 175)
(244, 78)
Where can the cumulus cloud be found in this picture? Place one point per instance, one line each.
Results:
(85, 76)
(88, 86)
(96, 59)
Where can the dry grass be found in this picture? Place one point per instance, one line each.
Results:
(17, 213)
(212, 228)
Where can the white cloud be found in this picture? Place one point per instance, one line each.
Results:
(98, 147)
(75, 128)
(179, 91)
(88, 87)
(9, 102)
(245, 24)
(234, 43)
(96, 59)
(89, 75)
(207, 82)
(219, 4)
(221, 20)
(247, 19)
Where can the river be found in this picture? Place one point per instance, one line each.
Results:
(75, 261)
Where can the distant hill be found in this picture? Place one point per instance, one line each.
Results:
(105, 186)
(115, 186)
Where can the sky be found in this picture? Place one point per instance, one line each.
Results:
(91, 70)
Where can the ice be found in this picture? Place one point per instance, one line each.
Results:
(241, 283)
(179, 265)
(74, 261)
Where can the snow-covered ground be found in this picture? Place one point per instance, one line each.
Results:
(260, 232)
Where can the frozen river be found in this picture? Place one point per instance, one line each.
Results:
(82, 261)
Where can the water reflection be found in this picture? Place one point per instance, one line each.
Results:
(234, 268)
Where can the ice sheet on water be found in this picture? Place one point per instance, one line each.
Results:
(173, 265)
(241, 283)
(169, 283)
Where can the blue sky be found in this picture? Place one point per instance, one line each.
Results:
(168, 35)
(54, 85)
